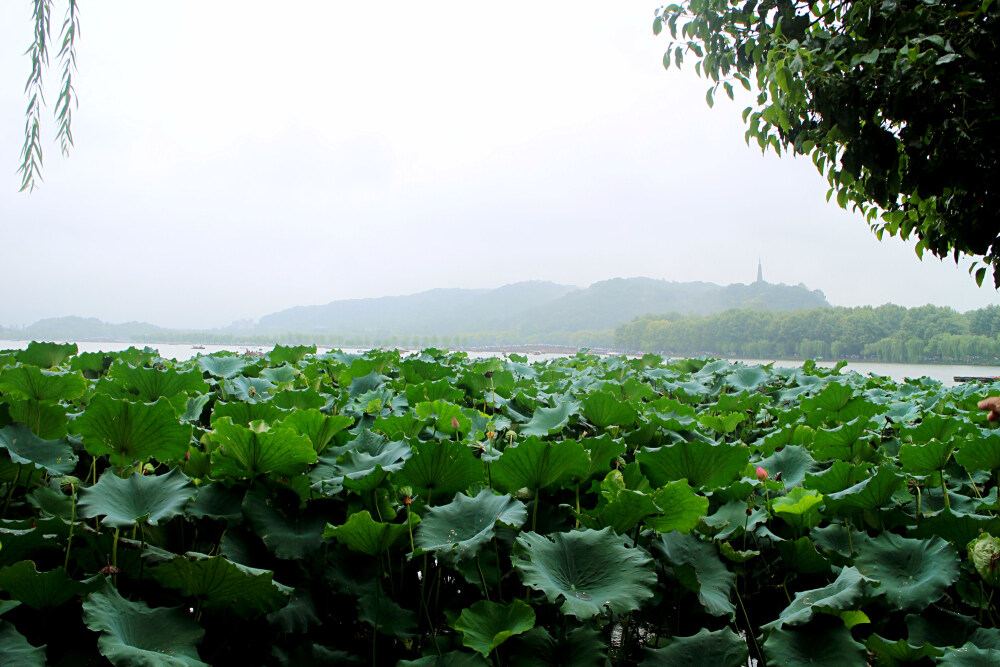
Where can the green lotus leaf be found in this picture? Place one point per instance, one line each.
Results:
(364, 534)
(396, 427)
(319, 428)
(625, 509)
(980, 453)
(698, 567)
(984, 553)
(40, 590)
(824, 644)
(702, 464)
(133, 633)
(287, 538)
(391, 619)
(443, 413)
(219, 583)
(130, 432)
(533, 464)
(299, 615)
(933, 427)
(837, 477)
(837, 403)
(851, 590)
(801, 555)
(225, 367)
(926, 458)
(363, 384)
(136, 499)
(28, 538)
(970, 655)
(217, 501)
(451, 659)
(731, 520)
(485, 625)
(56, 457)
(461, 528)
(242, 413)
(938, 627)
(16, 651)
(959, 528)
(580, 647)
(194, 406)
(430, 391)
(911, 573)
(602, 451)
(793, 462)
(35, 384)
(283, 374)
(733, 555)
(873, 493)
(148, 384)
(369, 463)
(249, 452)
(721, 648)
(549, 421)
(292, 354)
(250, 390)
(799, 508)
(440, 469)
(839, 539)
(46, 355)
(52, 502)
(592, 571)
(604, 409)
(47, 419)
(724, 424)
(900, 651)
(851, 441)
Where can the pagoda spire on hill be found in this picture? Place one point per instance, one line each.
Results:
(760, 271)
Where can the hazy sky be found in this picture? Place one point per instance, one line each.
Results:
(236, 158)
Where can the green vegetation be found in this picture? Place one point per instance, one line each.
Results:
(894, 101)
(306, 509)
(886, 333)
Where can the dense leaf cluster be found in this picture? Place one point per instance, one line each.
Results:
(886, 333)
(305, 509)
(895, 101)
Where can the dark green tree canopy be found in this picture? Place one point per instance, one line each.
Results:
(896, 102)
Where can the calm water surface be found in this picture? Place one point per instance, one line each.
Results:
(942, 372)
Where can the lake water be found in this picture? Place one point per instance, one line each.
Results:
(943, 372)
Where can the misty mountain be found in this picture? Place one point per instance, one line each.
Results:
(535, 307)
(87, 328)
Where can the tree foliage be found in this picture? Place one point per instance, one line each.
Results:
(895, 101)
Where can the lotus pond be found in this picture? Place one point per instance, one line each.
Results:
(431, 509)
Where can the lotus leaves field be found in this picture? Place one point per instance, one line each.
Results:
(307, 509)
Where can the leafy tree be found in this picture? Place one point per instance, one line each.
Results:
(894, 100)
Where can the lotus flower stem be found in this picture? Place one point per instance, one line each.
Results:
(72, 523)
(10, 491)
(486, 592)
(747, 619)
(944, 490)
(114, 554)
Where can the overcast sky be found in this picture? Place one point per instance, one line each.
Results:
(236, 158)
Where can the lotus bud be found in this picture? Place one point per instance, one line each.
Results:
(762, 475)
(454, 423)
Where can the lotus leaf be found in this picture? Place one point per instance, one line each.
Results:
(318, 427)
(579, 647)
(549, 421)
(136, 499)
(219, 583)
(702, 464)
(46, 355)
(242, 413)
(440, 469)
(604, 409)
(148, 384)
(698, 567)
(54, 456)
(133, 633)
(249, 452)
(461, 528)
(720, 648)
(287, 538)
(984, 552)
(825, 644)
(391, 619)
(16, 651)
(900, 651)
(590, 570)
(224, 367)
(485, 625)
(35, 384)
(911, 573)
(534, 464)
(290, 354)
(364, 534)
(130, 432)
(851, 590)
(40, 590)
(793, 462)
(799, 508)
(980, 454)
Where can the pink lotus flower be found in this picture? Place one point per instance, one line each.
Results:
(762, 475)
(454, 423)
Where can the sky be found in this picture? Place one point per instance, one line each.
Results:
(233, 159)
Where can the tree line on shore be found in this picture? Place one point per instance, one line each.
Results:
(885, 333)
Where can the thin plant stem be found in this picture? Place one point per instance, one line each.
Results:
(486, 592)
(72, 523)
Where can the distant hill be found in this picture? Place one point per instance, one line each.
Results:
(535, 307)
(88, 328)
(525, 311)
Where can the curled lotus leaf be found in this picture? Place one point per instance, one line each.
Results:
(723, 648)
(911, 573)
(461, 528)
(485, 625)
